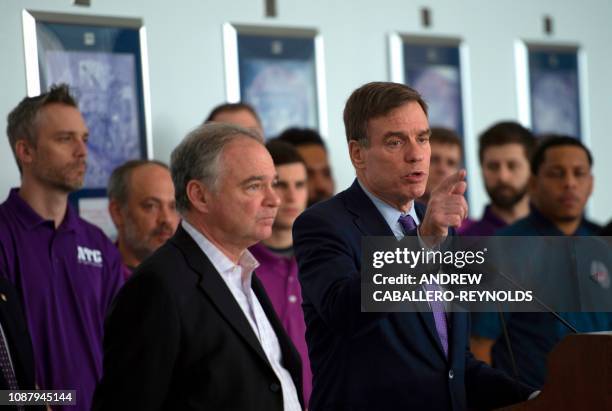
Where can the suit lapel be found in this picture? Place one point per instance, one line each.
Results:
(367, 217)
(456, 333)
(291, 357)
(211, 283)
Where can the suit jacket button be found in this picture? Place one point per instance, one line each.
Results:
(274, 387)
(451, 374)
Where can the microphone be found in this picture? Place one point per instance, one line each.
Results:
(540, 303)
(505, 327)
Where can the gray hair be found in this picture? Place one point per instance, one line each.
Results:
(118, 184)
(198, 156)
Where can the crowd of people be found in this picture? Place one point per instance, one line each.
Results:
(235, 280)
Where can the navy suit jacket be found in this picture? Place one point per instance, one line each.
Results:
(379, 361)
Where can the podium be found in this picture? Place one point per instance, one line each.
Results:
(579, 376)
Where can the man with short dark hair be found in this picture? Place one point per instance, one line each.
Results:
(66, 270)
(560, 185)
(240, 114)
(278, 269)
(311, 148)
(193, 328)
(143, 208)
(504, 152)
(386, 361)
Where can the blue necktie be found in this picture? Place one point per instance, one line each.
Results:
(437, 307)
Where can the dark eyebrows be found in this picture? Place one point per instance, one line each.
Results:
(422, 133)
(426, 132)
(395, 134)
(71, 133)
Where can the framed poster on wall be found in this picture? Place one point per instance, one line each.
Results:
(554, 89)
(551, 88)
(432, 66)
(103, 60)
(279, 71)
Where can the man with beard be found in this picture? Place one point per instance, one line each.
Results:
(65, 269)
(143, 208)
(505, 149)
(559, 188)
(311, 148)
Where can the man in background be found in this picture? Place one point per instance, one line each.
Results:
(142, 207)
(278, 269)
(504, 152)
(65, 269)
(311, 148)
(240, 114)
(559, 188)
(446, 158)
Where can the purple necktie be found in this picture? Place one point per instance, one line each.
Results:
(407, 223)
(437, 307)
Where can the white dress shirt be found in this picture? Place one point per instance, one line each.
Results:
(237, 277)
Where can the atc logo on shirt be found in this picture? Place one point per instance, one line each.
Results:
(88, 256)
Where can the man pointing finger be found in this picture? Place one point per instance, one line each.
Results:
(447, 206)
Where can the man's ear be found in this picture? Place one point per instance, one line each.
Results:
(357, 152)
(591, 184)
(198, 195)
(24, 151)
(114, 209)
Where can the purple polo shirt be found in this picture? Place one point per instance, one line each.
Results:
(278, 275)
(489, 224)
(67, 278)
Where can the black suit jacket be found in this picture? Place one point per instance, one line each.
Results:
(17, 337)
(379, 361)
(176, 339)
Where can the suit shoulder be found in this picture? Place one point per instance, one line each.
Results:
(331, 210)
(167, 266)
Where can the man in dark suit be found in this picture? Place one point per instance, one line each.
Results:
(387, 361)
(193, 329)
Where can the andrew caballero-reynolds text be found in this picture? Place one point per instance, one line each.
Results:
(436, 286)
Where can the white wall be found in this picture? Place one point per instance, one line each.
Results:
(187, 69)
